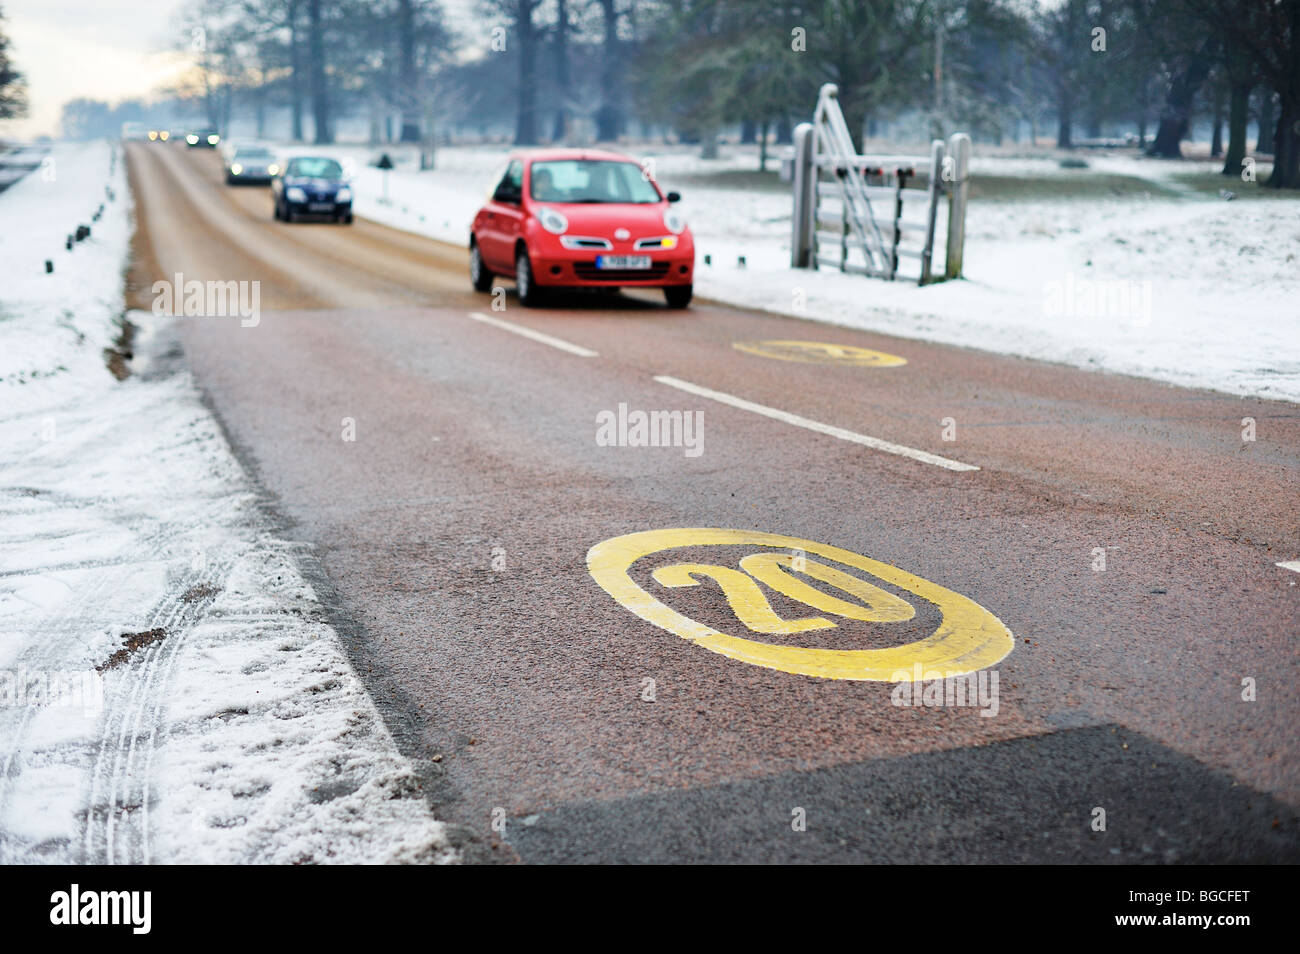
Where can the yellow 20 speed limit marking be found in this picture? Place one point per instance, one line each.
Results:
(968, 638)
(820, 352)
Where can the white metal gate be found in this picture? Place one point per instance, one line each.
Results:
(835, 224)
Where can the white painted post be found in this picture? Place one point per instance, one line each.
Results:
(935, 190)
(959, 149)
(803, 219)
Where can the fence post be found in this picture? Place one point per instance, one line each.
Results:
(802, 221)
(932, 212)
(959, 149)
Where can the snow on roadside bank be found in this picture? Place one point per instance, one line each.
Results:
(1208, 290)
(170, 688)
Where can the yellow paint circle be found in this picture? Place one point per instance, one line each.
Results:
(968, 638)
(820, 352)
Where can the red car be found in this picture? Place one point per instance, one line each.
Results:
(578, 218)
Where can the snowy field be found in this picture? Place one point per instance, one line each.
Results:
(170, 690)
(1169, 282)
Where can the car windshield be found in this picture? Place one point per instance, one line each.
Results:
(591, 180)
(314, 168)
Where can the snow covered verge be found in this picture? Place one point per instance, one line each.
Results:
(170, 689)
(1172, 283)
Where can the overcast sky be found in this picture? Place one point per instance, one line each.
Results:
(104, 49)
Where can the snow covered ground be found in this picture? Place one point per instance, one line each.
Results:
(170, 689)
(1176, 284)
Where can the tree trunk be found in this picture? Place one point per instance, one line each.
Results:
(1176, 116)
(1286, 146)
(560, 132)
(526, 121)
(609, 118)
(762, 147)
(295, 70)
(406, 78)
(1064, 122)
(1216, 123)
(320, 105)
(1238, 118)
(1267, 123)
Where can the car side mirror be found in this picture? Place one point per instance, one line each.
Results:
(674, 197)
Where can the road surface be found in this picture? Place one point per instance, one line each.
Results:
(450, 475)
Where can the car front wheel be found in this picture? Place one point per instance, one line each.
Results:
(529, 294)
(478, 273)
(678, 296)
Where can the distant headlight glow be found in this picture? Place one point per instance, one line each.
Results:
(552, 221)
(236, 169)
(192, 139)
(213, 140)
(273, 169)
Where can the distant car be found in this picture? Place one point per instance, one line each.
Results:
(203, 139)
(312, 185)
(577, 218)
(159, 135)
(250, 164)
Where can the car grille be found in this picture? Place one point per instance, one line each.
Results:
(588, 271)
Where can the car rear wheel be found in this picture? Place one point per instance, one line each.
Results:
(529, 294)
(678, 296)
(478, 273)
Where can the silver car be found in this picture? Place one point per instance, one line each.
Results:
(251, 164)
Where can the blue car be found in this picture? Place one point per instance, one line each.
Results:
(312, 185)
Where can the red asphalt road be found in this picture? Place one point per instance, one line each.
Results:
(522, 686)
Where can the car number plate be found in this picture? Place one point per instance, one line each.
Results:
(623, 261)
(321, 206)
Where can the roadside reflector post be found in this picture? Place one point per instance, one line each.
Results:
(959, 150)
(805, 196)
(932, 208)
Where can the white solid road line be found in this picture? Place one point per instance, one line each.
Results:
(872, 442)
(554, 342)
(1291, 565)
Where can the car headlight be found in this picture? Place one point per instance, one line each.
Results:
(213, 140)
(192, 139)
(236, 169)
(343, 195)
(552, 221)
(163, 135)
(674, 222)
(295, 194)
(273, 170)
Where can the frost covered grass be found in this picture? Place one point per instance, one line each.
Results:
(230, 727)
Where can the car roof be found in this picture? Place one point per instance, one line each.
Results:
(535, 155)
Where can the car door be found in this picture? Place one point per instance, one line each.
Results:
(502, 219)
